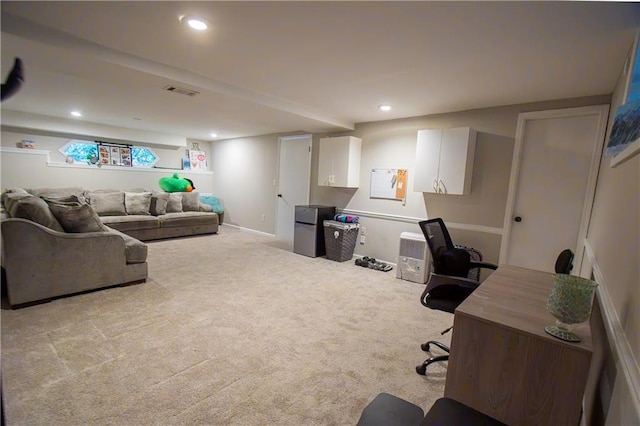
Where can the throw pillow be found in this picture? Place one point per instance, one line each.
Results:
(30, 207)
(137, 202)
(174, 205)
(75, 216)
(159, 202)
(190, 201)
(108, 203)
(58, 192)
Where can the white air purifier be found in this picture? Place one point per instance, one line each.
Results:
(414, 261)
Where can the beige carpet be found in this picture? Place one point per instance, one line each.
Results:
(230, 329)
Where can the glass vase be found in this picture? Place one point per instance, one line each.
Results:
(570, 303)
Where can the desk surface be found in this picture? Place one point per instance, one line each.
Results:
(502, 362)
(517, 298)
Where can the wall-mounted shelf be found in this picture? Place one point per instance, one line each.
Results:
(50, 163)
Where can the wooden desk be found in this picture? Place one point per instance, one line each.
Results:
(505, 365)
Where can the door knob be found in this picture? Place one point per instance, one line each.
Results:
(517, 219)
(280, 195)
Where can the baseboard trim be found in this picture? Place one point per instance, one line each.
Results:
(628, 364)
(415, 220)
(249, 230)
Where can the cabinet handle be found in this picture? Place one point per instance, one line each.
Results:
(443, 189)
(435, 186)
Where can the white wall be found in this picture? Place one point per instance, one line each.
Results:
(474, 220)
(46, 167)
(613, 254)
(243, 173)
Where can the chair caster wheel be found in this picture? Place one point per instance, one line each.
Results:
(421, 370)
(425, 347)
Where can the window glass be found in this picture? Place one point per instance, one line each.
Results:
(81, 152)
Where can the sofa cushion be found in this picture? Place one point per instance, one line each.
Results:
(59, 192)
(107, 203)
(135, 250)
(187, 219)
(159, 202)
(137, 203)
(190, 202)
(75, 216)
(27, 206)
(174, 205)
(131, 222)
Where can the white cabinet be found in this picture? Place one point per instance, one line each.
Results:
(339, 162)
(444, 160)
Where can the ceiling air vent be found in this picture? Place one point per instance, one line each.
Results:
(181, 90)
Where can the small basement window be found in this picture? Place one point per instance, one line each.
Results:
(81, 152)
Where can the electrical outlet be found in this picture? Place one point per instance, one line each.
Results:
(361, 239)
(363, 230)
(263, 218)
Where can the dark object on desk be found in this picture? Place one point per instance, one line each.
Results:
(448, 285)
(564, 262)
(386, 410)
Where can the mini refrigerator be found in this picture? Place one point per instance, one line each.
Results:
(308, 232)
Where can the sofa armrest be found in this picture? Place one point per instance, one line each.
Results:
(41, 263)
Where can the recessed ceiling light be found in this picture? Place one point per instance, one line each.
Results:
(214, 135)
(76, 113)
(195, 22)
(384, 107)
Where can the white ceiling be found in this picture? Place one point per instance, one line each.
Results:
(270, 67)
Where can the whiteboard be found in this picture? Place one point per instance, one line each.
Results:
(389, 183)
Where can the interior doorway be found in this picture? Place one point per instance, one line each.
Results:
(294, 177)
(552, 186)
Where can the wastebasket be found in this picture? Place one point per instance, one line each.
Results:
(340, 239)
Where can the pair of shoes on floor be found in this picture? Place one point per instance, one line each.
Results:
(370, 262)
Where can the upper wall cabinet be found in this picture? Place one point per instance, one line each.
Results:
(339, 162)
(444, 160)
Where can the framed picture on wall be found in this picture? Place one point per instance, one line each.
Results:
(197, 160)
(624, 140)
(125, 157)
(104, 155)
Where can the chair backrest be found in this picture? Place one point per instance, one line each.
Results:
(564, 262)
(437, 235)
(446, 258)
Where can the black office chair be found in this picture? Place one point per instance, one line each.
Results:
(564, 262)
(448, 284)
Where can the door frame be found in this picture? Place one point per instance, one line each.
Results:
(279, 170)
(602, 111)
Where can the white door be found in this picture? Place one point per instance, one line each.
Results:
(294, 174)
(553, 176)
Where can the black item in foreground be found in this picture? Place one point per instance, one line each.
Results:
(388, 409)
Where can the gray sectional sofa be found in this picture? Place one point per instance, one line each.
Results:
(61, 241)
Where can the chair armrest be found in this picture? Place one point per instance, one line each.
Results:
(483, 265)
(438, 280)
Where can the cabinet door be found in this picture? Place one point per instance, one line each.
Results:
(427, 160)
(339, 162)
(457, 152)
(325, 161)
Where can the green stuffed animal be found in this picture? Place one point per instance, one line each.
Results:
(176, 184)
